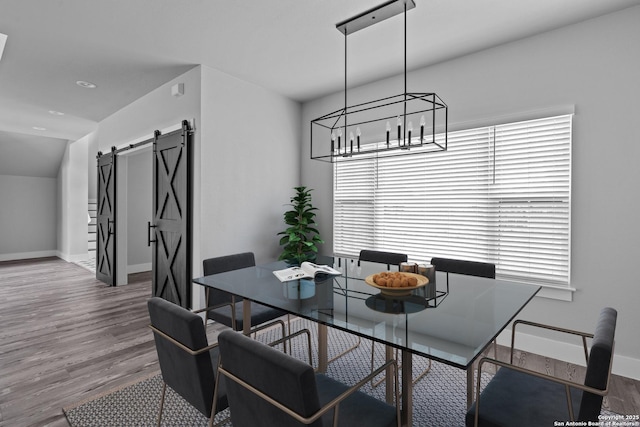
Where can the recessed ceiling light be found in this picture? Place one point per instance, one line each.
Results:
(87, 85)
(39, 128)
(56, 113)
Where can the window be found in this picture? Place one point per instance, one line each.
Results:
(499, 194)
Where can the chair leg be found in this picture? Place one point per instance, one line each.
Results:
(284, 334)
(373, 353)
(356, 345)
(377, 383)
(288, 332)
(374, 383)
(425, 372)
(164, 390)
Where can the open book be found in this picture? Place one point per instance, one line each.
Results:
(307, 270)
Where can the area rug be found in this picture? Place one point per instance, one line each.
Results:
(439, 398)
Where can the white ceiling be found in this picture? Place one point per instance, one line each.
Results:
(130, 47)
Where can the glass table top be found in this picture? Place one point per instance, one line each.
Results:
(452, 322)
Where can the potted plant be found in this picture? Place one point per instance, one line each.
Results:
(300, 239)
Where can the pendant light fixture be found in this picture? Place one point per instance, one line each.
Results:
(411, 122)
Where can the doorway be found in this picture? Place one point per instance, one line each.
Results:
(134, 201)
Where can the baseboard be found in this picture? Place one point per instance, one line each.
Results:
(72, 258)
(573, 353)
(28, 255)
(138, 268)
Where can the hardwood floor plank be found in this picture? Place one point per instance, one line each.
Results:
(66, 337)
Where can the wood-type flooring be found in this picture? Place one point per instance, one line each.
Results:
(66, 337)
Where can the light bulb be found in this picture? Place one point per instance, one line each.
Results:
(388, 130)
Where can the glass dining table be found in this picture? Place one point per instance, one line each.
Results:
(451, 320)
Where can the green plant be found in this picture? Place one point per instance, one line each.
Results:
(301, 237)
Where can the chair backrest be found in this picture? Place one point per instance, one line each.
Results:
(389, 258)
(223, 264)
(288, 380)
(600, 356)
(469, 268)
(190, 376)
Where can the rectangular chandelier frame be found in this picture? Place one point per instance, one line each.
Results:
(422, 128)
(408, 123)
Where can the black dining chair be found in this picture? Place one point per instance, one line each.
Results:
(381, 257)
(527, 398)
(469, 268)
(268, 388)
(187, 362)
(225, 308)
(390, 259)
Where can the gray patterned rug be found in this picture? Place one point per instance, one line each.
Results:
(439, 398)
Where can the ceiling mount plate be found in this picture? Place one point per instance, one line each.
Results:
(373, 16)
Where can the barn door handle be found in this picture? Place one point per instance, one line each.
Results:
(149, 227)
(109, 228)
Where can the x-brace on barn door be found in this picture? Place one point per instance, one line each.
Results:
(171, 257)
(105, 218)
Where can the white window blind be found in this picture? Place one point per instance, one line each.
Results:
(531, 192)
(499, 194)
(353, 209)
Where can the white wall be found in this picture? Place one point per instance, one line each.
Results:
(92, 165)
(249, 164)
(139, 210)
(245, 169)
(73, 202)
(592, 65)
(28, 217)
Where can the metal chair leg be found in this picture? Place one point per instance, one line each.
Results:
(346, 351)
(425, 372)
(164, 390)
(377, 383)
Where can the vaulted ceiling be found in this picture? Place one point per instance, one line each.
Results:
(130, 47)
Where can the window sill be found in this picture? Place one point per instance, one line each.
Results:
(557, 293)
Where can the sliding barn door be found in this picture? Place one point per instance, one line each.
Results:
(106, 219)
(171, 216)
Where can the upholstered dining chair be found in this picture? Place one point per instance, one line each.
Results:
(187, 362)
(390, 259)
(469, 268)
(227, 309)
(268, 388)
(523, 397)
(381, 257)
